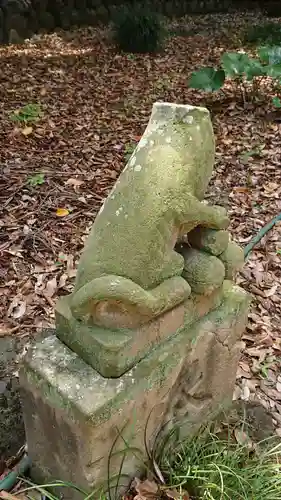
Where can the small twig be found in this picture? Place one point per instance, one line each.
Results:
(13, 195)
(244, 93)
(5, 333)
(5, 495)
(48, 299)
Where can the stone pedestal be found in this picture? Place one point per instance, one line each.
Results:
(83, 427)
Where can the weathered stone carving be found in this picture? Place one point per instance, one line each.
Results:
(153, 326)
(214, 258)
(134, 267)
(129, 271)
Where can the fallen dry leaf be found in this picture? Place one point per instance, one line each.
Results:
(17, 308)
(74, 182)
(243, 439)
(176, 495)
(278, 386)
(27, 131)
(5, 495)
(62, 212)
(51, 287)
(146, 490)
(245, 392)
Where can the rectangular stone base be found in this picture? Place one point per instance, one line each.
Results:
(76, 420)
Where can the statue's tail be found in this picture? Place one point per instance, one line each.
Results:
(114, 301)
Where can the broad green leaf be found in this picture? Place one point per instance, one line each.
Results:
(263, 53)
(276, 102)
(253, 68)
(208, 79)
(235, 63)
(273, 70)
(270, 55)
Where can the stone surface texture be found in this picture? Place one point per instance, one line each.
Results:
(149, 339)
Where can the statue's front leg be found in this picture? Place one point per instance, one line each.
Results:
(212, 241)
(233, 259)
(212, 216)
(193, 213)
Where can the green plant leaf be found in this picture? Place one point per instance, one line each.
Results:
(36, 179)
(267, 32)
(129, 149)
(253, 69)
(245, 155)
(273, 70)
(270, 55)
(235, 63)
(208, 79)
(27, 114)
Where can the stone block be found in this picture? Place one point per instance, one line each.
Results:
(73, 415)
(76, 420)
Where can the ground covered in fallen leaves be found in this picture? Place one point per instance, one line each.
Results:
(56, 173)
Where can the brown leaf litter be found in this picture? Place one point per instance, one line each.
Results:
(96, 102)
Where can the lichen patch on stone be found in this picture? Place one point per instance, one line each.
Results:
(142, 143)
(188, 119)
(133, 161)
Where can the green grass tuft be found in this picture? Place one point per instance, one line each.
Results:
(209, 467)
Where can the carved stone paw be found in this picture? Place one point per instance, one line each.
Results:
(204, 272)
(233, 259)
(211, 241)
(221, 217)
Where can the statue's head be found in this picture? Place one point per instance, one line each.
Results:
(193, 133)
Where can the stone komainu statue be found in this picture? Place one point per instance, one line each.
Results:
(134, 266)
(149, 340)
